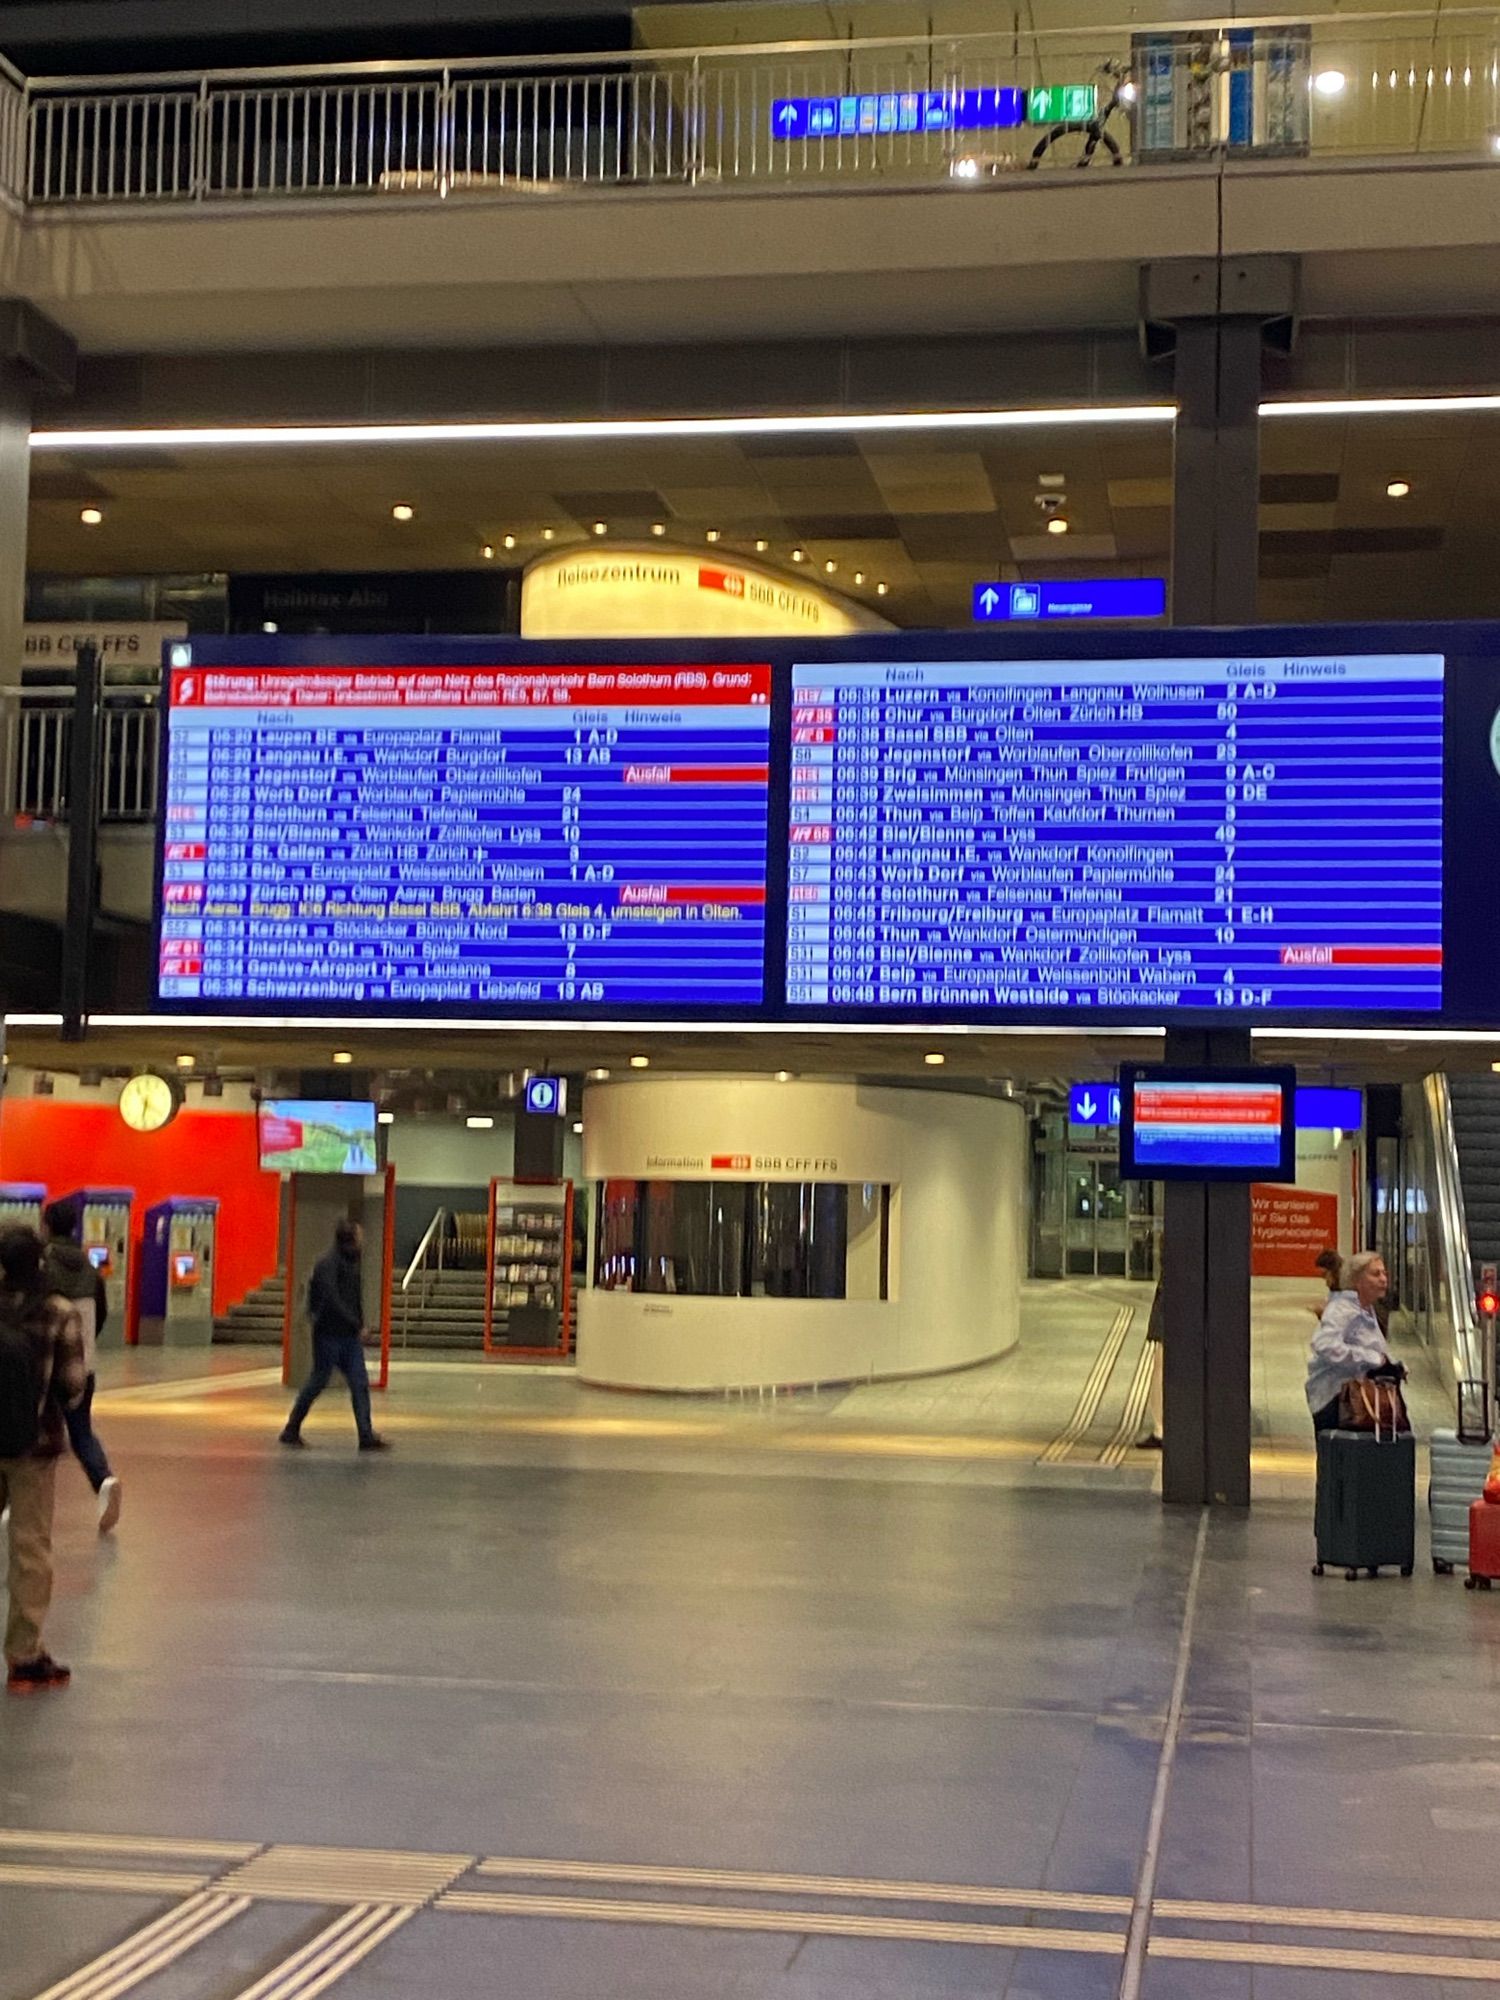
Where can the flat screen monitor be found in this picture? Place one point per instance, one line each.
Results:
(98, 1254)
(1180, 1124)
(305, 1136)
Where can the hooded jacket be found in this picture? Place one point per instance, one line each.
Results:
(71, 1276)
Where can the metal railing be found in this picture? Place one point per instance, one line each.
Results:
(1435, 1275)
(36, 733)
(900, 109)
(426, 1264)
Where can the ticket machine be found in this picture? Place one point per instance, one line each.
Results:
(104, 1232)
(177, 1273)
(21, 1202)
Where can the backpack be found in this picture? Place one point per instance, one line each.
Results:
(22, 1386)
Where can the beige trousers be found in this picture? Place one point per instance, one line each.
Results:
(27, 1486)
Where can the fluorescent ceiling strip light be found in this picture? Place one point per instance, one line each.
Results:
(1382, 406)
(176, 438)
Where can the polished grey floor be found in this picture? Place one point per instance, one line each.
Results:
(846, 1669)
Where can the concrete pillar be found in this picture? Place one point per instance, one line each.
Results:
(36, 357)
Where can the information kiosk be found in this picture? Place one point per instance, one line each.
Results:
(177, 1273)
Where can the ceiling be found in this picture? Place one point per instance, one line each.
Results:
(927, 514)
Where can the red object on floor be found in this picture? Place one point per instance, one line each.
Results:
(1484, 1540)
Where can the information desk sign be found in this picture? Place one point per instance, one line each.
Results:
(1135, 835)
(1207, 1125)
(499, 839)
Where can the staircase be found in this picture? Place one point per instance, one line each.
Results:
(1476, 1128)
(257, 1319)
(441, 1309)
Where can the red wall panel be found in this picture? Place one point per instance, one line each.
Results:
(207, 1153)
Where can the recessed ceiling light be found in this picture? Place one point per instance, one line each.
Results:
(343, 1057)
(402, 512)
(487, 550)
(1052, 480)
(881, 589)
(549, 534)
(934, 1059)
(270, 625)
(578, 1126)
(1397, 489)
(601, 527)
(509, 541)
(91, 517)
(799, 555)
(597, 1075)
(385, 1118)
(713, 534)
(859, 576)
(783, 1076)
(480, 1124)
(640, 1062)
(1330, 82)
(829, 567)
(658, 527)
(1057, 525)
(186, 1062)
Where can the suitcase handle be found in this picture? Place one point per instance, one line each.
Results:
(1466, 1435)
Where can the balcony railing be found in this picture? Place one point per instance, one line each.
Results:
(36, 735)
(897, 110)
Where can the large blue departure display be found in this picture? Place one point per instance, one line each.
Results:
(1257, 833)
(502, 838)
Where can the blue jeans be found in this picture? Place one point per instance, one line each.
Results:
(87, 1449)
(345, 1352)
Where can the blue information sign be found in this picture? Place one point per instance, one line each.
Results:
(897, 111)
(1098, 597)
(1094, 1104)
(546, 1096)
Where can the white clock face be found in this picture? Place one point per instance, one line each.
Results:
(147, 1103)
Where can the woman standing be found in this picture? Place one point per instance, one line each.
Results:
(1348, 1345)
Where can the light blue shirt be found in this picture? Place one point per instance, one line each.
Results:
(1347, 1345)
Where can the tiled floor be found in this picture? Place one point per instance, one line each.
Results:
(575, 1663)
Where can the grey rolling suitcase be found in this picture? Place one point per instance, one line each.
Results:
(1460, 1459)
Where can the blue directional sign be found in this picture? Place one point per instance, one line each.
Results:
(897, 111)
(1094, 1104)
(1098, 597)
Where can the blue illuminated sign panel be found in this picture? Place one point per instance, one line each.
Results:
(1318, 1107)
(1103, 597)
(1132, 834)
(1094, 1104)
(546, 1096)
(897, 111)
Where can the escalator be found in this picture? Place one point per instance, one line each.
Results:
(1438, 1216)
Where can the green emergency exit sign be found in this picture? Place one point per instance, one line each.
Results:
(1062, 104)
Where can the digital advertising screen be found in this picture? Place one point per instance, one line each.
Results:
(1203, 1125)
(305, 1136)
(1151, 834)
(501, 839)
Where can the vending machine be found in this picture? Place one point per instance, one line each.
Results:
(177, 1273)
(21, 1201)
(104, 1232)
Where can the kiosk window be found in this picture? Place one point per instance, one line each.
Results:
(745, 1239)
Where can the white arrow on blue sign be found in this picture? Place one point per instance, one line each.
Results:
(1094, 1104)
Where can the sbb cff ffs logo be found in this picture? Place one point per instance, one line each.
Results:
(770, 1163)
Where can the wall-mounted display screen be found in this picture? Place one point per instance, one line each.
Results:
(1254, 833)
(507, 838)
(305, 1136)
(1183, 1124)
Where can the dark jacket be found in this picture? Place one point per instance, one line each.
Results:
(57, 1342)
(72, 1277)
(336, 1297)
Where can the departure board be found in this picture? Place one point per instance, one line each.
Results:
(1249, 833)
(487, 837)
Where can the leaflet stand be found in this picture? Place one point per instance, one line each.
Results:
(528, 1302)
(316, 1203)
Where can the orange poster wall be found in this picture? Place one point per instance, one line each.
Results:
(1288, 1227)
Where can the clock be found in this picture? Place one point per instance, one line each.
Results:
(148, 1102)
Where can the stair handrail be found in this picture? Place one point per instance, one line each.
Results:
(1468, 1356)
(418, 1268)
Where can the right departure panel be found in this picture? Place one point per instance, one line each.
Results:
(1248, 833)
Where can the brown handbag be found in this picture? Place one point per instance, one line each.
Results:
(1373, 1406)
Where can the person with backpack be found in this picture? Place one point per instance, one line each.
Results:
(42, 1376)
(71, 1276)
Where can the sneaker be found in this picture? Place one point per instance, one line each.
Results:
(35, 1676)
(375, 1442)
(293, 1440)
(110, 1499)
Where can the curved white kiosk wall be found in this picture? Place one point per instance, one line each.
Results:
(955, 1166)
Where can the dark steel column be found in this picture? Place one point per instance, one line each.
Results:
(84, 752)
(1206, 1316)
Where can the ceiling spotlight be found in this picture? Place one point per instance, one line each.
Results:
(270, 625)
(712, 535)
(549, 534)
(597, 1075)
(186, 1062)
(402, 512)
(601, 527)
(508, 541)
(480, 1124)
(799, 555)
(934, 1059)
(1057, 525)
(343, 1057)
(761, 545)
(640, 1062)
(1397, 489)
(1128, 92)
(487, 551)
(385, 1118)
(1330, 82)
(578, 1127)
(859, 576)
(881, 589)
(783, 1076)
(829, 567)
(91, 517)
(658, 527)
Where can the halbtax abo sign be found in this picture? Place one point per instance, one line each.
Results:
(649, 592)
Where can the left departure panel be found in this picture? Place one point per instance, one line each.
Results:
(490, 837)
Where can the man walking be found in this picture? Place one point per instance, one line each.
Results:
(70, 1275)
(41, 1377)
(336, 1306)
